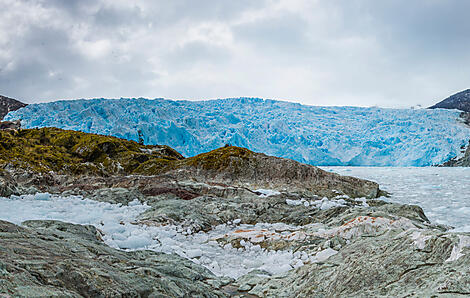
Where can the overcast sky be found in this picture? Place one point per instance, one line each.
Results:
(395, 53)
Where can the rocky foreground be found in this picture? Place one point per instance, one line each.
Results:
(345, 240)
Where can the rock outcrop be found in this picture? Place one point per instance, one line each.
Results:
(56, 259)
(459, 101)
(463, 161)
(77, 154)
(356, 249)
(10, 125)
(393, 263)
(8, 105)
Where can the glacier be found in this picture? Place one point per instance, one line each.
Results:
(325, 136)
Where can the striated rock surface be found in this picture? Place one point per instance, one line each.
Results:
(8, 105)
(56, 259)
(394, 263)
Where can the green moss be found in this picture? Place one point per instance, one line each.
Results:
(155, 166)
(72, 152)
(219, 159)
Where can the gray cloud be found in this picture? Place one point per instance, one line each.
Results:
(356, 52)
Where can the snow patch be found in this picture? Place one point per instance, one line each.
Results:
(464, 241)
(267, 192)
(420, 239)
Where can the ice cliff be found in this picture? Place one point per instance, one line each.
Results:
(309, 134)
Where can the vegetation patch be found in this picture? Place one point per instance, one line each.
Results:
(72, 152)
(229, 157)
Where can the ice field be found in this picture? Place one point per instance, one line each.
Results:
(443, 193)
(329, 136)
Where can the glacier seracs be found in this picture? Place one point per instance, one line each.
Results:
(310, 134)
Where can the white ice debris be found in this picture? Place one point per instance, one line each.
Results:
(322, 204)
(419, 239)
(42, 196)
(363, 201)
(267, 192)
(120, 230)
(323, 255)
(293, 202)
(464, 241)
(442, 192)
(72, 209)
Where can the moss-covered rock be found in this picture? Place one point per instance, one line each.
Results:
(75, 153)
(243, 168)
(72, 152)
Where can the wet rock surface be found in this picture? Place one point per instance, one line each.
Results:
(390, 264)
(56, 259)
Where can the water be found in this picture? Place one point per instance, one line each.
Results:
(443, 193)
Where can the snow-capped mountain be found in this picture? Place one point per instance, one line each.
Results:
(310, 134)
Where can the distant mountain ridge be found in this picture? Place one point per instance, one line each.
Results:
(349, 136)
(8, 105)
(459, 101)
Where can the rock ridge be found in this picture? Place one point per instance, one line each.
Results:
(9, 105)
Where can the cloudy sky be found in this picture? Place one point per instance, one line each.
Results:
(391, 53)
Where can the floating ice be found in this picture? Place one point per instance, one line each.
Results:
(117, 222)
(443, 193)
(267, 192)
(322, 204)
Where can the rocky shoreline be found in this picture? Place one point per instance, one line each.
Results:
(341, 237)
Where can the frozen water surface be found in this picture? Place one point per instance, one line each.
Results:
(443, 193)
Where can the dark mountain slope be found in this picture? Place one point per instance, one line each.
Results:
(9, 104)
(459, 101)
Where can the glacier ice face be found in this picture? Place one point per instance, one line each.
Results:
(309, 134)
